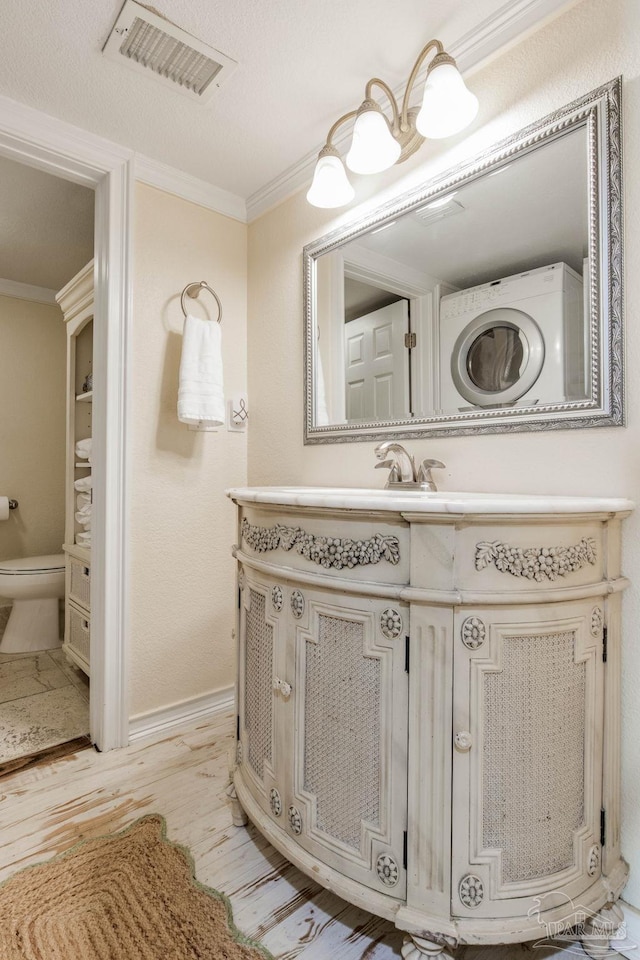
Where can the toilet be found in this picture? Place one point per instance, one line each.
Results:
(36, 585)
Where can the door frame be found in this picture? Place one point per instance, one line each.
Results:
(33, 138)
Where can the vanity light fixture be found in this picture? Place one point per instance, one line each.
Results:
(378, 143)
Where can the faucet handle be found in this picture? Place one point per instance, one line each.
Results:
(424, 473)
(392, 466)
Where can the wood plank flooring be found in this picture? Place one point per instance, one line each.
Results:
(45, 809)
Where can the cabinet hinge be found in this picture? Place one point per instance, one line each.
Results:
(238, 727)
(404, 849)
(410, 340)
(604, 645)
(603, 827)
(406, 654)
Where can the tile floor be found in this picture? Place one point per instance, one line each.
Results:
(44, 701)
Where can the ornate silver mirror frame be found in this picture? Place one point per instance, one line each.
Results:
(598, 114)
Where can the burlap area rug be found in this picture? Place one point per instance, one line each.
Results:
(128, 896)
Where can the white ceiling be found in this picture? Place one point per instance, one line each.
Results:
(537, 207)
(301, 65)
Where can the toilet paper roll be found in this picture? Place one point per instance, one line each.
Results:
(4, 508)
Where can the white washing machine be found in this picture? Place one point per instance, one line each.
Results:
(519, 340)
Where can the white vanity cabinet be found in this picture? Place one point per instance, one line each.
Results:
(428, 703)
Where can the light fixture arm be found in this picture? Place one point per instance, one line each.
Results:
(440, 57)
(376, 81)
(343, 119)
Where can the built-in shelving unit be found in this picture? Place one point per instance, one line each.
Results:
(76, 302)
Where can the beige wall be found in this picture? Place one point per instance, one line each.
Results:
(182, 583)
(32, 426)
(593, 42)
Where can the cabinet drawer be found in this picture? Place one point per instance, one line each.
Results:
(78, 640)
(80, 582)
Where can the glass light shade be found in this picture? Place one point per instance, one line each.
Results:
(448, 106)
(373, 147)
(330, 187)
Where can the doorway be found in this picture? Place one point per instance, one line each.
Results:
(37, 140)
(46, 237)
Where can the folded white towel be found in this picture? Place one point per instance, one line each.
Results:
(84, 483)
(84, 520)
(84, 539)
(83, 500)
(84, 509)
(201, 390)
(83, 449)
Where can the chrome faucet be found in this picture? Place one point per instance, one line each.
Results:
(402, 467)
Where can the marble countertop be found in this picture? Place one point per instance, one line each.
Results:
(418, 501)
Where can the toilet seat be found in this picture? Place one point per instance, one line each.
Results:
(28, 566)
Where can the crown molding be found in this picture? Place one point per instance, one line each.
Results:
(26, 291)
(47, 143)
(183, 185)
(71, 149)
(491, 37)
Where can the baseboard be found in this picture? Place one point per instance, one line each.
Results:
(630, 947)
(179, 715)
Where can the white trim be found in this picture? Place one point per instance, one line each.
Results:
(183, 714)
(514, 20)
(508, 26)
(31, 137)
(186, 187)
(631, 946)
(26, 291)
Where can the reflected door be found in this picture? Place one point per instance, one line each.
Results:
(376, 371)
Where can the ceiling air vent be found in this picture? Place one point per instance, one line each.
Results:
(147, 42)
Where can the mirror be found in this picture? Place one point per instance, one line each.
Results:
(488, 300)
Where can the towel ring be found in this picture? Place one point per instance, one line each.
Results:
(193, 289)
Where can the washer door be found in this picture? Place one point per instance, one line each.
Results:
(498, 357)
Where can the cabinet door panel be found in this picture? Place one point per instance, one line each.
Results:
(349, 774)
(527, 756)
(259, 642)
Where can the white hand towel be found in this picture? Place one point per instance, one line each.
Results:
(84, 521)
(201, 390)
(83, 500)
(84, 539)
(83, 483)
(83, 449)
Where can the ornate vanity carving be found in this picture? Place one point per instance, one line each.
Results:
(428, 703)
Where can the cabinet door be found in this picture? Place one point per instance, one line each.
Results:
(527, 757)
(349, 737)
(260, 649)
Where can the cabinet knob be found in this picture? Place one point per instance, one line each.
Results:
(282, 686)
(463, 740)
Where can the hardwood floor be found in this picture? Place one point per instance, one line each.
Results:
(47, 808)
